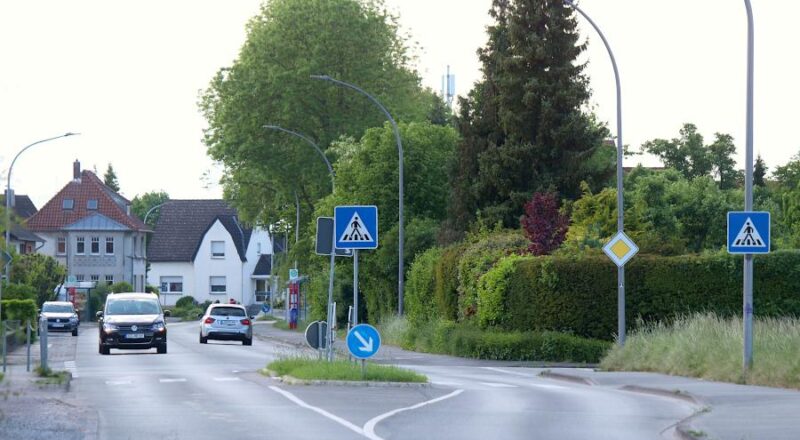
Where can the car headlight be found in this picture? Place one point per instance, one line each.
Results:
(73, 318)
(108, 328)
(158, 327)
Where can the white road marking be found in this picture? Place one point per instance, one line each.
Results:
(317, 410)
(118, 382)
(72, 368)
(498, 385)
(369, 427)
(538, 385)
(168, 380)
(226, 379)
(508, 372)
(447, 384)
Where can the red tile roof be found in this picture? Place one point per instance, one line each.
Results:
(53, 217)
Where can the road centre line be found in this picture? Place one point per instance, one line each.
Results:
(498, 385)
(369, 427)
(171, 380)
(226, 379)
(317, 410)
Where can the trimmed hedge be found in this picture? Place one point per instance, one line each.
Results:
(579, 295)
(19, 310)
(419, 304)
(185, 301)
(466, 340)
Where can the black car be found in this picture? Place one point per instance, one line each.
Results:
(61, 317)
(132, 321)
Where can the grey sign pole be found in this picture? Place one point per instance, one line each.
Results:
(620, 204)
(330, 298)
(355, 287)
(748, 198)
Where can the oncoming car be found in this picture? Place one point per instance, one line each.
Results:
(61, 317)
(226, 322)
(132, 321)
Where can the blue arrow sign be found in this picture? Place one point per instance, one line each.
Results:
(363, 341)
(356, 227)
(748, 232)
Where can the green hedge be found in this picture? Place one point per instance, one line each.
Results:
(185, 302)
(19, 291)
(419, 304)
(445, 282)
(467, 340)
(579, 295)
(20, 310)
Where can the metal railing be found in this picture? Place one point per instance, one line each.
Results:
(11, 332)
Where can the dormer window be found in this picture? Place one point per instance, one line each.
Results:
(91, 204)
(217, 249)
(68, 204)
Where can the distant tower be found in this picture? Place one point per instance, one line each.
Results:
(448, 87)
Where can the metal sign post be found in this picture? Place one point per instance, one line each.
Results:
(748, 199)
(355, 287)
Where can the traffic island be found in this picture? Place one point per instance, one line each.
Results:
(308, 371)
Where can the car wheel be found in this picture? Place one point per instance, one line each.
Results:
(75, 332)
(162, 349)
(202, 339)
(247, 341)
(104, 350)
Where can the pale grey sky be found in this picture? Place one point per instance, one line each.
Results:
(127, 74)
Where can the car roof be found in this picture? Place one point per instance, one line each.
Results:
(58, 303)
(132, 295)
(214, 306)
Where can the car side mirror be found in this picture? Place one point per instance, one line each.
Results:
(98, 315)
(167, 313)
(252, 316)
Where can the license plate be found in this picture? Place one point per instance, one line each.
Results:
(229, 323)
(134, 336)
(56, 325)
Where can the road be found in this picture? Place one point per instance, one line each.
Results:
(214, 391)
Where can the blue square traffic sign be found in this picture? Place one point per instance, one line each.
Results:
(356, 227)
(748, 232)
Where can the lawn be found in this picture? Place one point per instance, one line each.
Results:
(314, 369)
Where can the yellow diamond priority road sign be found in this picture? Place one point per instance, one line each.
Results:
(620, 249)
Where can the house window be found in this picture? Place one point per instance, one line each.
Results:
(217, 249)
(91, 204)
(68, 204)
(95, 245)
(217, 285)
(94, 278)
(80, 247)
(109, 279)
(79, 278)
(61, 247)
(109, 245)
(172, 284)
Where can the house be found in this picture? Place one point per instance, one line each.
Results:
(89, 229)
(21, 239)
(200, 248)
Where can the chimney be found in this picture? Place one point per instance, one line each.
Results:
(76, 170)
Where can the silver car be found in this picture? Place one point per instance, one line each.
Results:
(226, 322)
(61, 316)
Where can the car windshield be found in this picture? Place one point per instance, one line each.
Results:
(57, 308)
(227, 311)
(132, 307)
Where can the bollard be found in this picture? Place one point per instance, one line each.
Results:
(28, 343)
(43, 343)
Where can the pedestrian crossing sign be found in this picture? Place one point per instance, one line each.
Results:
(356, 227)
(748, 232)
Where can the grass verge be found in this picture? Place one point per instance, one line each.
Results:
(467, 340)
(314, 369)
(710, 347)
(50, 377)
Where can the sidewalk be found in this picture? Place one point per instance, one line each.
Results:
(725, 411)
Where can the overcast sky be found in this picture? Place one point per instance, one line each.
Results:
(126, 74)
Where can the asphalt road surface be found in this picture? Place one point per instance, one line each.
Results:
(214, 391)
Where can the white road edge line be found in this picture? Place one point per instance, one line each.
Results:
(369, 427)
(321, 411)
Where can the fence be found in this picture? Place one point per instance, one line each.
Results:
(12, 334)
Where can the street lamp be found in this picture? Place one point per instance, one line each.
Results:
(9, 195)
(620, 205)
(400, 269)
(310, 142)
(147, 214)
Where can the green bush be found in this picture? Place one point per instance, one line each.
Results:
(419, 305)
(121, 287)
(476, 259)
(445, 283)
(19, 291)
(185, 301)
(579, 295)
(19, 310)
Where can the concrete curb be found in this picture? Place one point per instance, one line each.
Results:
(64, 386)
(289, 380)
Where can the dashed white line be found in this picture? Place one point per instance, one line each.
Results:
(226, 379)
(118, 382)
(172, 380)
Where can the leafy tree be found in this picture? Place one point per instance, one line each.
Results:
(523, 125)
(110, 178)
(692, 158)
(269, 83)
(39, 271)
(759, 171)
(788, 176)
(143, 203)
(544, 225)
